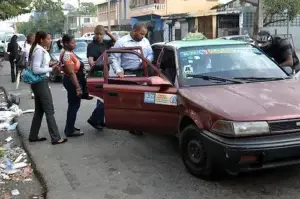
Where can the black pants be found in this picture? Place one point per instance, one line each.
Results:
(43, 104)
(73, 104)
(13, 71)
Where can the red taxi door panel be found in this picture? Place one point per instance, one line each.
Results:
(141, 108)
(95, 86)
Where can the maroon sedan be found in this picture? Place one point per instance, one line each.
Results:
(231, 107)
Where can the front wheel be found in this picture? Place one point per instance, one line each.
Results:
(194, 154)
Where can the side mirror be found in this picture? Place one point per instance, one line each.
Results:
(2, 41)
(158, 81)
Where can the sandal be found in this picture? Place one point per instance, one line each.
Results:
(61, 141)
(41, 139)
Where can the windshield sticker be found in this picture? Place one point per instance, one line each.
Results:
(160, 98)
(231, 50)
(193, 53)
(188, 69)
(149, 98)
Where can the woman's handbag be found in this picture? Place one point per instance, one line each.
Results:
(29, 77)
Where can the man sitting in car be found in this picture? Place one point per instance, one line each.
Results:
(125, 63)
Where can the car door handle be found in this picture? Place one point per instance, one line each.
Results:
(113, 94)
(99, 86)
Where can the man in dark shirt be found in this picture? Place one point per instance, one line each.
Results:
(94, 50)
(278, 49)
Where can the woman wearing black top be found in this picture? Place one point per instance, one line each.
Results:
(12, 48)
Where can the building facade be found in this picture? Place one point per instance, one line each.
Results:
(118, 15)
(74, 23)
(162, 16)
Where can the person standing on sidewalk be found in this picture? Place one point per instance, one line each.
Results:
(27, 46)
(13, 48)
(39, 63)
(71, 68)
(94, 50)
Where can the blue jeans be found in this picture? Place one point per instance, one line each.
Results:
(97, 116)
(73, 105)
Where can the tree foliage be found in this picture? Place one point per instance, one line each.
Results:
(88, 8)
(49, 17)
(12, 8)
(284, 9)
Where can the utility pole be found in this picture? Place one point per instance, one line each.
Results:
(79, 17)
(108, 15)
(260, 15)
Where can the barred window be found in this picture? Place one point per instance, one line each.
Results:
(248, 19)
(296, 21)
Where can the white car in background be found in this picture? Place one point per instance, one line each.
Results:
(244, 38)
(5, 39)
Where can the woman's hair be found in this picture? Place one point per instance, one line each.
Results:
(59, 44)
(67, 39)
(38, 37)
(14, 39)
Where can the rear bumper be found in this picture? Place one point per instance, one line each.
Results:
(248, 154)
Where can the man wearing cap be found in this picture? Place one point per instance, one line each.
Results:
(278, 49)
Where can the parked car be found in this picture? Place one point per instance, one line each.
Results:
(244, 38)
(5, 39)
(232, 108)
(80, 51)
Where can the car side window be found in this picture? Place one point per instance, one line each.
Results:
(168, 65)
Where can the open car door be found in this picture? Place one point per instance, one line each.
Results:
(145, 104)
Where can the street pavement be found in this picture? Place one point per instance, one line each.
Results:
(117, 165)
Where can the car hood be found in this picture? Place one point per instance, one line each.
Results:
(274, 100)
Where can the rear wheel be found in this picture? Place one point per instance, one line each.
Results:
(194, 154)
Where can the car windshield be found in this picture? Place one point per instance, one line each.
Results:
(20, 38)
(2, 36)
(225, 61)
(81, 47)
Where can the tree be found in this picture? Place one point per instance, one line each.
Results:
(88, 8)
(12, 8)
(276, 11)
(50, 18)
(285, 9)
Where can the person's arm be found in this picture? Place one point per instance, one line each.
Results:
(69, 70)
(149, 51)
(111, 36)
(116, 60)
(89, 55)
(37, 60)
(287, 53)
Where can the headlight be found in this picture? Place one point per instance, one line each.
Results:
(240, 128)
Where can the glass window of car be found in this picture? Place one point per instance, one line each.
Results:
(241, 38)
(227, 61)
(54, 48)
(2, 37)
(81, 47)
(21, 38)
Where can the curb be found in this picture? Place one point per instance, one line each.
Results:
(37, 173)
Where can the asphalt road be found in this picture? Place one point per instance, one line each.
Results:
(117, 165)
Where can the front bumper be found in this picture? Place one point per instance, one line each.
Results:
(248, 154)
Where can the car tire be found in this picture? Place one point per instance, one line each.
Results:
(194, 155)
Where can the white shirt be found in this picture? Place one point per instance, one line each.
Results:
(127, 61)
(27, 50)
(40, 61)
